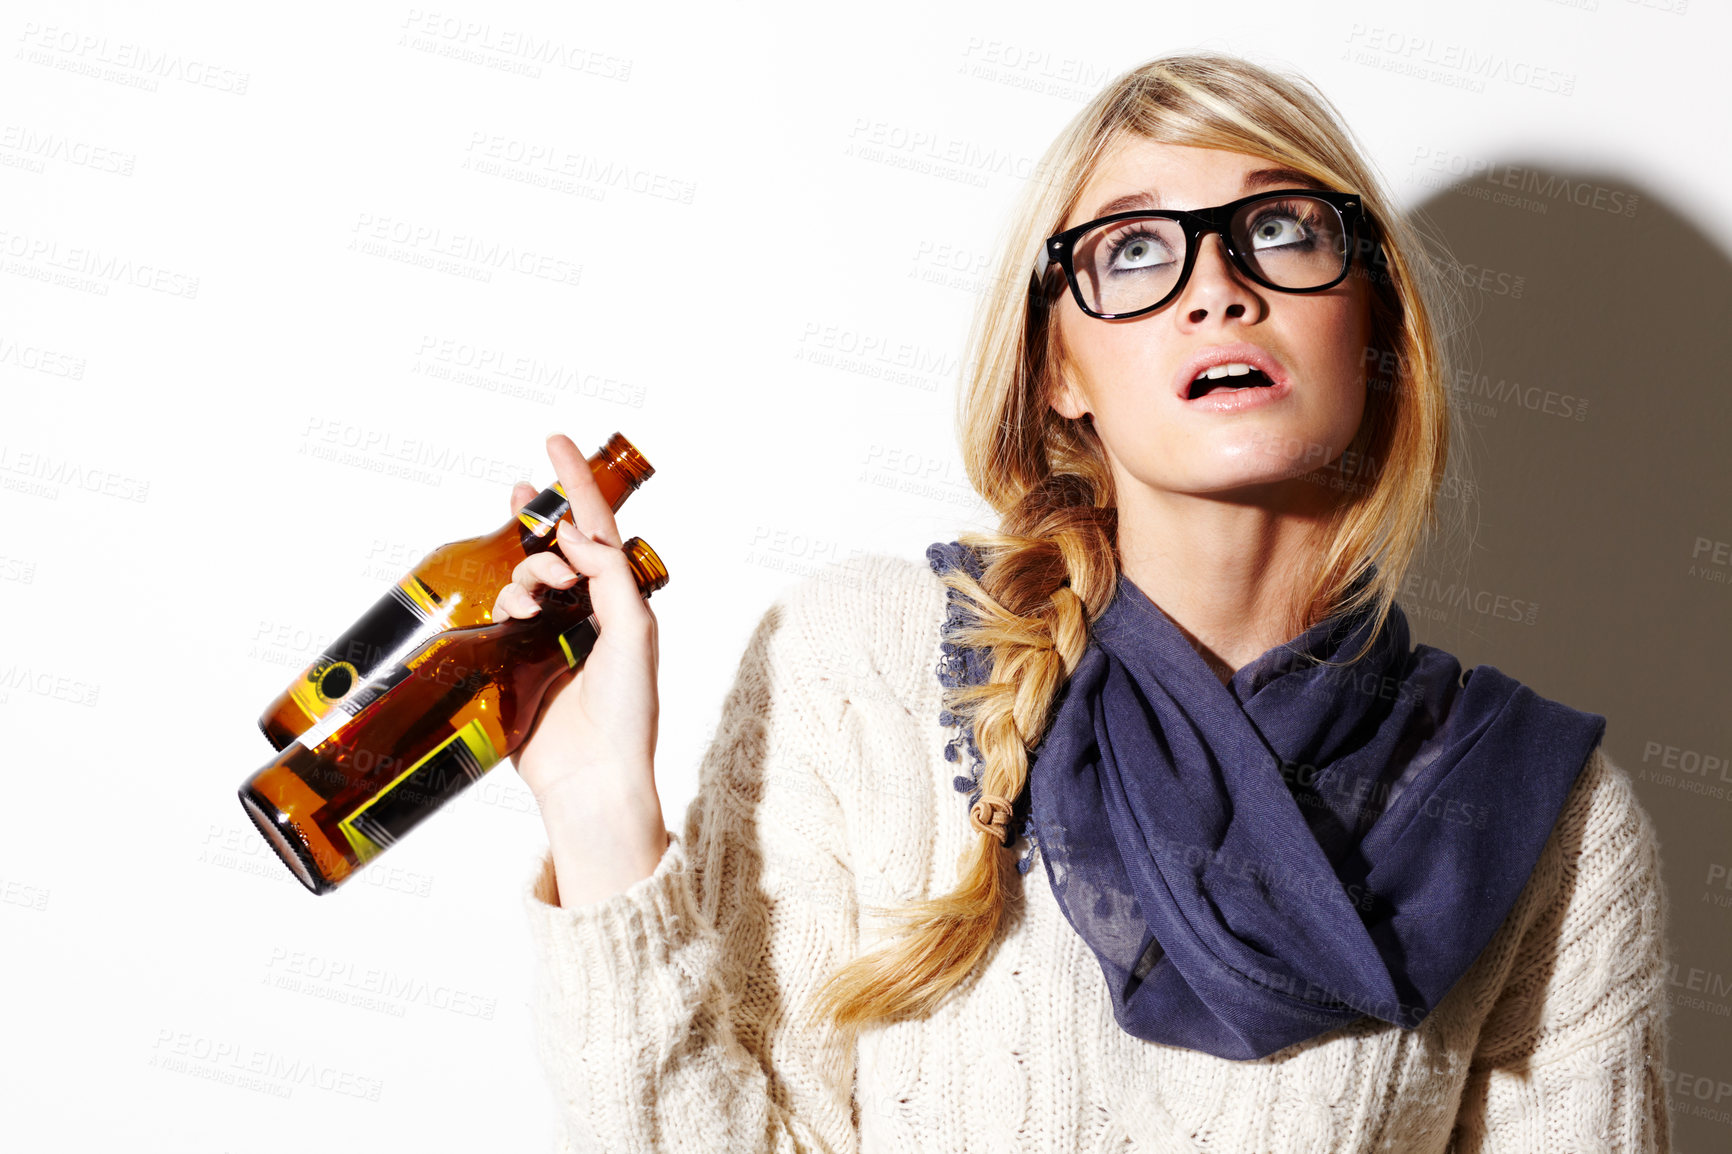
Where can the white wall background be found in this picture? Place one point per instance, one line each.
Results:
(238, 403)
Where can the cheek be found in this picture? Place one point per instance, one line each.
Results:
(1113, 364)
(1353, 328)
(1087, 359)
(1336, 333)
(1341, 368)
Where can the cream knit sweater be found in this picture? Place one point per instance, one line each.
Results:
(668, 1015)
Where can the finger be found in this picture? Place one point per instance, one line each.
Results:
(613, 589)
(521, 494)
(514, 601)
(539, 569)
(589, 509)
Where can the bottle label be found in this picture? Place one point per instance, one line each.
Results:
(372, 650)
(577, 641)
(445, 772)
(340, 713)
(541, 514)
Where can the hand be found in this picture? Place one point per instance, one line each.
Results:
(591, 749)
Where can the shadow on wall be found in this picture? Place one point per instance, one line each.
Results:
(1595, 407)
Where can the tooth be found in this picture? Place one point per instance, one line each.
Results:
(1217, 371)
(1238, 369)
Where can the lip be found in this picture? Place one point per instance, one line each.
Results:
(1233, 400)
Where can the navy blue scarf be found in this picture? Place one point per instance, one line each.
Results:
(1259, 862)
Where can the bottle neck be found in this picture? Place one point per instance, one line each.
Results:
(618, 468)
(541, 514)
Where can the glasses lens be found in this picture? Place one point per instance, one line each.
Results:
(1129, 264)
(1293, 242)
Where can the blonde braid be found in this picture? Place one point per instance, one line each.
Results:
(1033, 656)
(1044, 578)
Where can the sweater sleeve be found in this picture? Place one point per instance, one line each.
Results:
(1571, 1054)
(673, 1016)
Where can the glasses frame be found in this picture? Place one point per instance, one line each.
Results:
(1060, 248)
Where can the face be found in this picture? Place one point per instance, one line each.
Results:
(1124, 372)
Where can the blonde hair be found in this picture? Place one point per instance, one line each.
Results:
(1052, 567)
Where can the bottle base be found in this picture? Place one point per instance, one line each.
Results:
(283, 838)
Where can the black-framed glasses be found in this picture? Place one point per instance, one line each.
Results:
(1295, 240)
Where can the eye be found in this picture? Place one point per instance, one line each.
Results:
(1280, 228)
(1136, 250)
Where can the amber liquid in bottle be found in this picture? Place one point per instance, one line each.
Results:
(452, 587)
(350, 787)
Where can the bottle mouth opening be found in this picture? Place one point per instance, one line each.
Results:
(625, 455)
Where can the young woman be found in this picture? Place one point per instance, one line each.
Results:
(1307, 885)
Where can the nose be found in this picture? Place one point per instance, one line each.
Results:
(1215, 284)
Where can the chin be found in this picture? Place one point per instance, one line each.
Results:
(1249, 474)
(1272, 453)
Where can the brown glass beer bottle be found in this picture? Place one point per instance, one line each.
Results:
(349, 787)
(451, 588)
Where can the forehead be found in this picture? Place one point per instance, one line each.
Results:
(1136, 172)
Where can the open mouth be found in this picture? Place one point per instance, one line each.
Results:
(1203, 386)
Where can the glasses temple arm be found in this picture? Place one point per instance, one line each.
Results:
(1041, 263)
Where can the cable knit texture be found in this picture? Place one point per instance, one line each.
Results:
(672, 1016)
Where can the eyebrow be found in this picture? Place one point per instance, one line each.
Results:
(1258, 178)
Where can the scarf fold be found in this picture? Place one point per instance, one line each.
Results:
(1259, 862)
